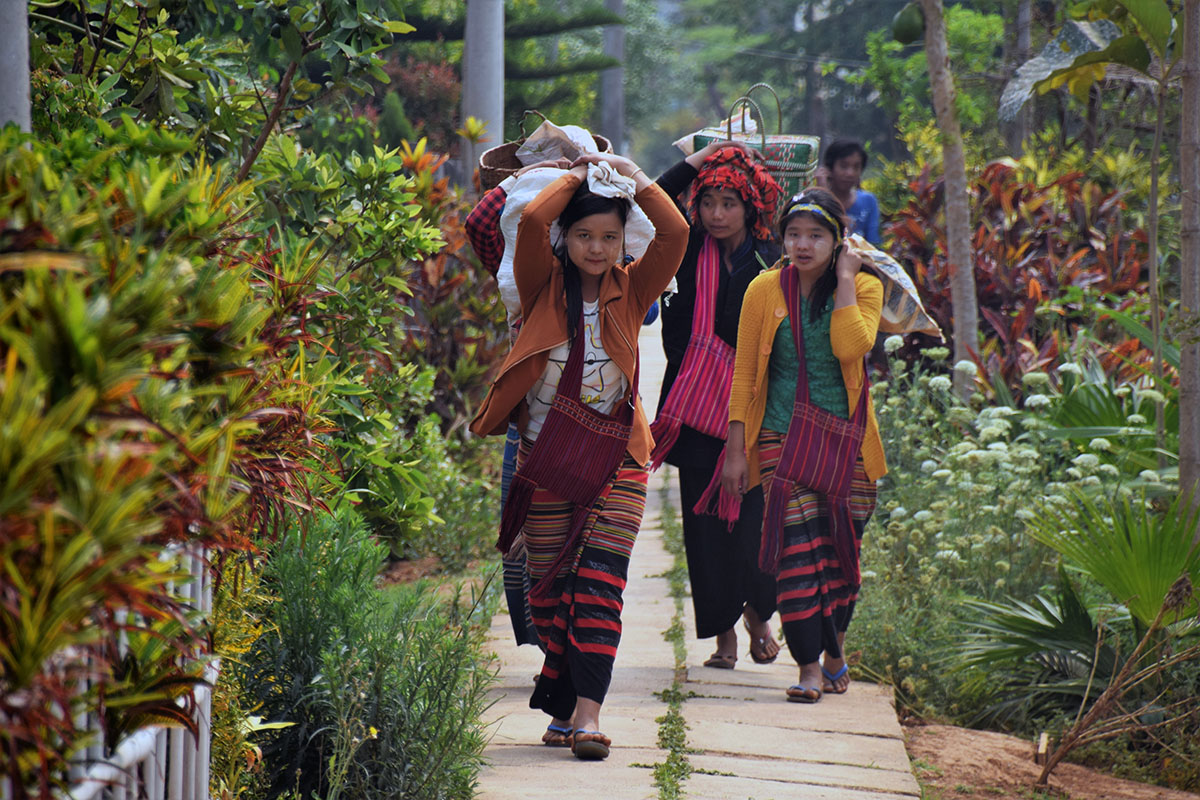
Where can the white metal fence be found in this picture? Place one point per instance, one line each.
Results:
(155, 763)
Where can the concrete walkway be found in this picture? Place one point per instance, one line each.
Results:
(744, 740)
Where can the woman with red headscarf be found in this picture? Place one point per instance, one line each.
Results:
(731, 204)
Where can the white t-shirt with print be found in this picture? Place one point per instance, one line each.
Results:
(603, 384)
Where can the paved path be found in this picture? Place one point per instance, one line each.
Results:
(744, 740)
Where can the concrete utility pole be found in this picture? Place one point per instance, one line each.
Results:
(483, 77)
(14, 64)
(612, 82)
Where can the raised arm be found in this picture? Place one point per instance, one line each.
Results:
(651, 274)
(677, 178)
(853, 327)
(533, 260)
(483, 229)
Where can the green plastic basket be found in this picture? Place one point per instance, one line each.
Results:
(790, 158)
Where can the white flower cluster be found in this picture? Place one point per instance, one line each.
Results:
(936, 353)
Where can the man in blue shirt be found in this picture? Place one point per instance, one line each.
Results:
(840, 173)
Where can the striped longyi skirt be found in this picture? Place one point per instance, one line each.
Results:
(815, 601)
(578, 620)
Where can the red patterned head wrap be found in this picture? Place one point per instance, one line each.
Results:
(733, 168)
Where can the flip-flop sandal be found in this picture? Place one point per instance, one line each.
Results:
(799, 694)
(761, 642)
(834, 678)
(720, 661)
(590, 749)
(557, 736)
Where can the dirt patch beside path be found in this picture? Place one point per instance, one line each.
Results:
(959, 763)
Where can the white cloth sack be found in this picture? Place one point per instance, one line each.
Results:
(639, 231)
(902, 309)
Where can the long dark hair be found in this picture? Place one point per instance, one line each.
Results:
(582, 204)
(826, 285)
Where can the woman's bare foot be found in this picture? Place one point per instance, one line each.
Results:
(763, 647)
(558, 733)
(834, 669)
(725, 656)
(808, 688)
(588, 743)
(836, 675)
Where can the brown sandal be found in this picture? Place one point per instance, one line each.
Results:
(721, 661)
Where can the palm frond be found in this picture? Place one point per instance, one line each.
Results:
(1133, 551)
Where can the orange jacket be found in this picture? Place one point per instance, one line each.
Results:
(626, 294)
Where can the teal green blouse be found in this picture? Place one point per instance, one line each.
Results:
(826, 388)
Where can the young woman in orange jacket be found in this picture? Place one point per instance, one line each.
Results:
(570, 381)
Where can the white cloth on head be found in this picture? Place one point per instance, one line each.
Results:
(604, 180)
(639, 231)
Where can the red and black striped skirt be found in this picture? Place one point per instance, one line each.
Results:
(815, 601)
(578, 621)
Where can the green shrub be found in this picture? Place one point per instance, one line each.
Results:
(151, 396)
(951, 526)
(385, 688)
(964, 608)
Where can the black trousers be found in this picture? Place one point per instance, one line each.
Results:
(723, 564)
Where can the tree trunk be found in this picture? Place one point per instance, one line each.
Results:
(958, 212)
(814, 104)
(1091, 126)
(1189, 178)
(14, 64)
(1160, 428)
(612, 82)
(1017, 131)
(1024, 121)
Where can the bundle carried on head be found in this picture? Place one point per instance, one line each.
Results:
(734, 168)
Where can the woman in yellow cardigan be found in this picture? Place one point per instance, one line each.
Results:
(838, 308)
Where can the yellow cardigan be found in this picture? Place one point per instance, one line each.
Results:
(852, 332)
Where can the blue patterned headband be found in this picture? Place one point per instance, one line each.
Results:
(812, 208)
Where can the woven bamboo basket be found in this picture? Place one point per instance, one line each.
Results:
(501, 161)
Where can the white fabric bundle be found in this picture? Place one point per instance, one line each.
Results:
(740, 123)
(902, 309)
